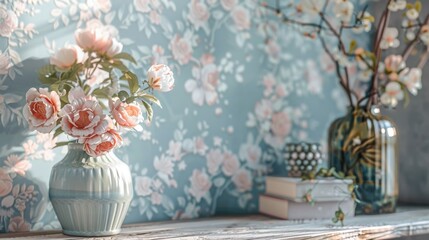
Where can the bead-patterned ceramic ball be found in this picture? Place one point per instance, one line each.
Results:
(302, 158)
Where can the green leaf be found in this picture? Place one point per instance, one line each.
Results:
(353, 46)
(47, 74)
(58, 132)
(152, 99)
(133, 81)
(119, 65)
(60, 144)
(125, 56)
(410, 6)
(149, 110)
(418, 6)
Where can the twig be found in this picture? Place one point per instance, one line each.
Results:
(423, 59)
(414, 42)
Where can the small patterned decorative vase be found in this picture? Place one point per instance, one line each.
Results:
(363, 144)
(90, 195)
(302, 158)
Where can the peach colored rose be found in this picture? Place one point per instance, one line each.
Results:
(8, 22)
(160, 78)
(142, 5)
(143, 186)
(242, 180)
(17, 164)
(83, 118)
(230, 164)
(41, 109)
(181, 49)
(198, 13)
(65, 57)
(115, 48)
(281, 124)
(241, 18)
(101, 144)
(200, 184)
(214, 160)
(18, 224)
(93, 39)
(127, 115)
(156, 198)
(5, 183)
(5, 63)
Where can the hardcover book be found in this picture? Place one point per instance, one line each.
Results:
(286, 209)
(295, 188)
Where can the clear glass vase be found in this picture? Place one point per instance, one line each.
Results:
(90, 195)
(363, 144)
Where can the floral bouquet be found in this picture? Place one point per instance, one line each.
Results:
(93, 96)
(383, 77)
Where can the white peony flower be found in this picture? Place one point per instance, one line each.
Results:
(115, 48)
(343, 10)
(389, 39)
(65, 57)
(160, 78)
(397, 5)
(392, 95)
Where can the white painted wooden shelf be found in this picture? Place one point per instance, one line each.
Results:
(408, 221)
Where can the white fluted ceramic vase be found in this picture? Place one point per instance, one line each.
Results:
(90, 195)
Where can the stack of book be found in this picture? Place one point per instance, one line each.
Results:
(293, 198)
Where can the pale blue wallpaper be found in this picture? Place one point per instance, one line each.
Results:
(245, 85)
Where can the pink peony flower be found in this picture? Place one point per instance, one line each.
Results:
(230, 164)
(41, 109)
(264, 109)
(18, 224)
(242, 180)
(115, 48)
(93, 40)
(281, 124)
(143, 186)
(127, 115)
(228, 4)
(241, 18)
(200, 184)
(198, 13)
(181, 49)
(8, 22)
(65, 57)
(160, 78)
(5, 183)
(5, 63)
(83, 118)
(103, 143)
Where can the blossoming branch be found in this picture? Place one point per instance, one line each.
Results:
(385, 77)
(93, 96)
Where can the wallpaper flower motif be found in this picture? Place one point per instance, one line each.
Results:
(245, 85)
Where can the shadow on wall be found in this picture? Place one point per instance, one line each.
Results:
(22, 196)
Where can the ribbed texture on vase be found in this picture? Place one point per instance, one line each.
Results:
(90, 217)
(90, 195)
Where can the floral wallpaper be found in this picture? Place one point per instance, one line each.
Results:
(245, 85)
